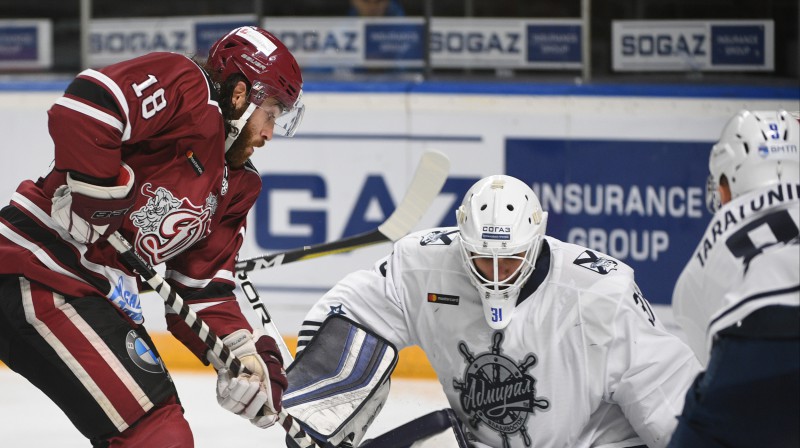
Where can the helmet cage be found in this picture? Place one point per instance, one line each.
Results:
(500, 219)
(500, 288)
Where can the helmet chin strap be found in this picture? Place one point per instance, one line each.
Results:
(238, 126)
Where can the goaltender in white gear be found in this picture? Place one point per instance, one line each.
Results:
(536, 342)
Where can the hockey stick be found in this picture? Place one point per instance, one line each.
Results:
(426, 184)
(136, 263)
(428, 180)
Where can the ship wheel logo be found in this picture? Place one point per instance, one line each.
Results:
(499, 392)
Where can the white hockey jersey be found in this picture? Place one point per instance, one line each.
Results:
(583, 363)
(747, 233)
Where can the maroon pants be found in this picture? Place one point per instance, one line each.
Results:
(102, 370)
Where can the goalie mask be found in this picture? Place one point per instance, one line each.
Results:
(502, 226)
(757, 149)
(269, 68)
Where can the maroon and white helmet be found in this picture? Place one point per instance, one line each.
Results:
(269, 67)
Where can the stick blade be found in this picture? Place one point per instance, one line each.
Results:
(428, 180)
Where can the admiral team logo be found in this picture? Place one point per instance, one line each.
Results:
(437, 238)
(498, 392)
(592, 262)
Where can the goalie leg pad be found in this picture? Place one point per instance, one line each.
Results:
(439, 429)
(340, 381)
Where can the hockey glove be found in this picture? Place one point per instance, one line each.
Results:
(256, 397)
(92, 212)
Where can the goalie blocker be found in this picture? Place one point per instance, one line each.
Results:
(339, 383)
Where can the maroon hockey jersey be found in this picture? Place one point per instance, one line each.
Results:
(159, 114)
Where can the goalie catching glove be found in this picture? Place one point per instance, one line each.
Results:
(93, 212)
(255, 396)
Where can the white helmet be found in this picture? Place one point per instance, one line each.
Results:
(756, 149)
(499, 218)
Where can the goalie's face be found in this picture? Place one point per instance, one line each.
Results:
(498, 270)
(255, 134)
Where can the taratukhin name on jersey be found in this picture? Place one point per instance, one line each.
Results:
(776, 195)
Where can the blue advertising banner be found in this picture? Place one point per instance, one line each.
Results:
(639, 201)
(25, 44)
(18, 43)
(400, 42)
(554, 43)
(738, 45)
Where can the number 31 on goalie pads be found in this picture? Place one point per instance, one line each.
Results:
(339, 383)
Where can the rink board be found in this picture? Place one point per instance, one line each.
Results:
(620, 168)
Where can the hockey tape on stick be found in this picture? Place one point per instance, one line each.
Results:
(136, 263)
(428, 180)
(271, 330)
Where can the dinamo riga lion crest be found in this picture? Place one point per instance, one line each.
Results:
(499, 392)
(168, 225)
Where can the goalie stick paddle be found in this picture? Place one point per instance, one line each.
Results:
(428, 180)
(136, 263)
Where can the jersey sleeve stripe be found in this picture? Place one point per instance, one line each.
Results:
(756, 297)
(113, 88)
(93, 93)
(90, 111)
(308, 329)
(197, 307)
(101, 277)
(41, 255)
(190, 282)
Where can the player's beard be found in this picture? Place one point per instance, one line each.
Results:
(238, 154)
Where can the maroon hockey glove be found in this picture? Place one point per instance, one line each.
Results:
(256, 396)
(92, 212)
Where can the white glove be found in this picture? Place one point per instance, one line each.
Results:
(257, 396)
(91, 212)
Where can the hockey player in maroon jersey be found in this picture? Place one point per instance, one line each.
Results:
(158, 149)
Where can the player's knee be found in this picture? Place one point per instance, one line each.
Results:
(164, 424)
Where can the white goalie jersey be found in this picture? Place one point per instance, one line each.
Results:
(584, 362)
(747, 259)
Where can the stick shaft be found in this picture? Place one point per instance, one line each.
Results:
(428, 180)
(270, 329)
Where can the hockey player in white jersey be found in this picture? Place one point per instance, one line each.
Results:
(738, 298)
(536, 342)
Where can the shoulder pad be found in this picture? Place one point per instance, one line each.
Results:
(579, 259)
(443, 236)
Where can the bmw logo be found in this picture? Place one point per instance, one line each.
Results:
(141, 354)
(763, 150)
